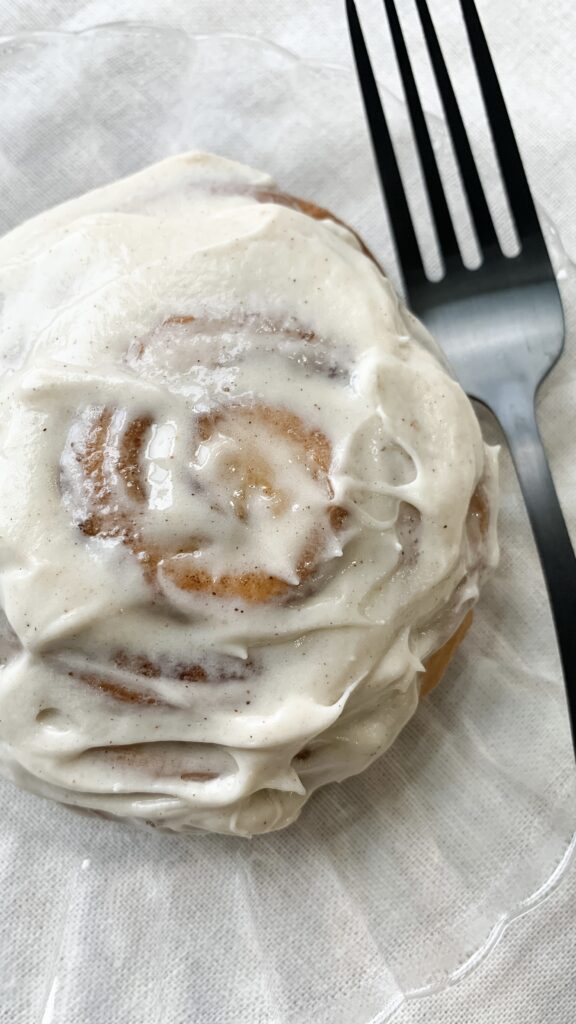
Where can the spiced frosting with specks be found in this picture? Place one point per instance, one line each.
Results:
(243, 501)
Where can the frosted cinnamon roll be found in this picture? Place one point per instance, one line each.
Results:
(246, 511)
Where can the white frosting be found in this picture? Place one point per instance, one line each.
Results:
(289, 315)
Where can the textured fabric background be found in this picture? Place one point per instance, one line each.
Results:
(531, 977)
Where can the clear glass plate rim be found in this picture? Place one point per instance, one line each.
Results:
(534, 900)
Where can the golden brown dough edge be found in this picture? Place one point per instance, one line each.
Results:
(438, 662)
(311, 210)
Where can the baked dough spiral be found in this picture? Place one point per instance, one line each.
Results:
(248, 511)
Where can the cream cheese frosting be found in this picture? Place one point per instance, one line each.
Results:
(240, 504)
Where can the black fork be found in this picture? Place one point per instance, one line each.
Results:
(501, 325)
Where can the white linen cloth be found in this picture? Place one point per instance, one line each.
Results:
(531, 977)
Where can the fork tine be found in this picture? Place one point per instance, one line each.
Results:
(507, 152)
(405, 240)
(479, 210)
(447, 241)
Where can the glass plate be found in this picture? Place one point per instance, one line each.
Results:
(400, 881)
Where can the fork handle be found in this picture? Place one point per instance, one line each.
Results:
(515, 410)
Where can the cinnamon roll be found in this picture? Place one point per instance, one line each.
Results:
(246, 510)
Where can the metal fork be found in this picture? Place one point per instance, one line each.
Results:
(500, 325)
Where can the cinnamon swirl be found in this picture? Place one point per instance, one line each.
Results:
(246, 511)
